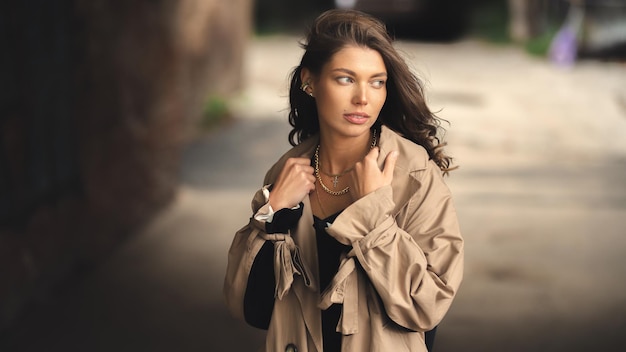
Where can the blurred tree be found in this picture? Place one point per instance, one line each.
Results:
(526, 19)
(287, 15)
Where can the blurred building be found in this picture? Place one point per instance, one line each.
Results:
(97, 101)
(441, 20)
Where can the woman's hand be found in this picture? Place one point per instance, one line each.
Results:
(295, 182)
(367, 176)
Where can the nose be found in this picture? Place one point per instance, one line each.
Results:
(360, 95)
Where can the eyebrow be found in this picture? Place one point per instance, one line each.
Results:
(350, 72)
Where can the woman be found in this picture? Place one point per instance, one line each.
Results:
(354, 243)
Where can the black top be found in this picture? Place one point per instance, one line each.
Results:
(259, 297)
(329, 252)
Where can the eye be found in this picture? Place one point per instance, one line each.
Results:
(345, 80)
(379, 83)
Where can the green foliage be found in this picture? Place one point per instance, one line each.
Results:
(490, 22)
(215, 111)
(540, 45)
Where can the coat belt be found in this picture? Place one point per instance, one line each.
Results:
(343, 289)
(287, 263)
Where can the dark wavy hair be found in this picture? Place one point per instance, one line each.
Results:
(405, 109)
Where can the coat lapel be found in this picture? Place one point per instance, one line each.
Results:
(402, 175)
(305, 238)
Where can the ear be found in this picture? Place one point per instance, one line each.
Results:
(306, 76)
(307, 81)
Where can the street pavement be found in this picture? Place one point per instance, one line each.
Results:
(540, 194)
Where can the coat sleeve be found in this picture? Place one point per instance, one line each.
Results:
(416, 266)
(286, 259)
(243, 250)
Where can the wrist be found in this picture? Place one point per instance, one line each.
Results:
(276, 204)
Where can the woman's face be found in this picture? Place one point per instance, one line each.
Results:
(350, 91)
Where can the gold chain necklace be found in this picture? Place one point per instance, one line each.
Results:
(335, 177)
(317, 194)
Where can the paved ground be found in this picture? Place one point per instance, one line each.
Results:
(541, 196)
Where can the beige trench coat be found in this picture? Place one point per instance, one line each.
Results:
(405, 238)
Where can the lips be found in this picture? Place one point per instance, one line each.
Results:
(357, 118)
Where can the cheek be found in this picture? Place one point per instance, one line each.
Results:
(381, 98)
(327, 105)
(331, 99)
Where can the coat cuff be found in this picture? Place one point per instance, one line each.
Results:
(363, 217)
(265, 218)
(288, 262)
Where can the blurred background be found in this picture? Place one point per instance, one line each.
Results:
(134, 134)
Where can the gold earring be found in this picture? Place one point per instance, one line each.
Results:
(304, 87)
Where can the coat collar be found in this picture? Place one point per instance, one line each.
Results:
(412, 159)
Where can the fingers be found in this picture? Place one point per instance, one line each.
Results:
(301, 161)
(295, 182)
(390, 164)
(367, 176)
(390, 160)
(373, 154)
(301, 166)
(298, 165)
